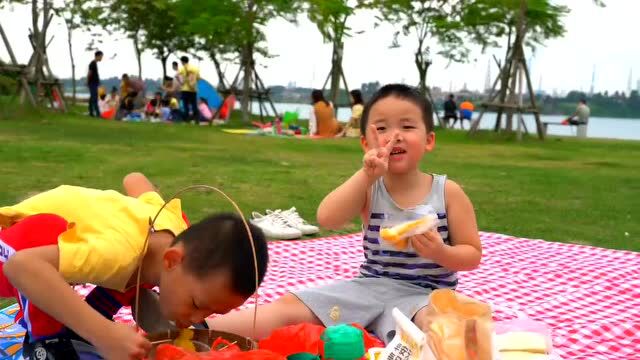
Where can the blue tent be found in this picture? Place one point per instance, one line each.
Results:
(208, 92)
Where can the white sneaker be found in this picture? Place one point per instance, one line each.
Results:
(293, 219)
(275, 226)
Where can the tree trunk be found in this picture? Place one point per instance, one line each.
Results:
(163, 59)
(73, 64)
(422, 73)
(423, 65)
(247, 63)
(136, 46)
(336, 72)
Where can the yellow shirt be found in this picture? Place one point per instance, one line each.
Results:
(356, 115)
(106, 233)
(173, 103)
(186, 71)
(124, 89)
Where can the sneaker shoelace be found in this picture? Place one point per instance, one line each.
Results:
(277, 219)
(293, 216)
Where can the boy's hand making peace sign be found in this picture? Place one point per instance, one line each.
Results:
(376, 159)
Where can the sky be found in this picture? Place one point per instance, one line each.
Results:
(603, 39)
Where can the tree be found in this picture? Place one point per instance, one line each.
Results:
(490, 22)
(163, 33)
(245, 21)
(212, 31)
(72, 14)
(125, 16)
(330, 16)
(430, 21)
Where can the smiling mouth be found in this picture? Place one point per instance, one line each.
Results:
(398, 151)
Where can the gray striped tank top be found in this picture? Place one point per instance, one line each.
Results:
(383, 260)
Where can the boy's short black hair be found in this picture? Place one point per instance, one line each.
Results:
(114, 89)
(98, 53)
(184, 59)
(404, 92)
(221, 242)
(174, 63)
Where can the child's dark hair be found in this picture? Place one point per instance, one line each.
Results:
(164, 102)
(317, 96)
(404, 92)
(221, 242)
(357, 97)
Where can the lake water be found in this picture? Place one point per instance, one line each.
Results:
(599, 127)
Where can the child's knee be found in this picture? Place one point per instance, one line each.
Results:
(294, 310)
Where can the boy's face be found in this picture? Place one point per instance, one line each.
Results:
(187, 299)
(393, 115)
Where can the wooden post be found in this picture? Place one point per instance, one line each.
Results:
(532, 97)
(24, 85)
(8, 46)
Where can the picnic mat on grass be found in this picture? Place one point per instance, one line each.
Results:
(589, 296)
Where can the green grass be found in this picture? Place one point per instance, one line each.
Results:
(569, 190)
(563, 189)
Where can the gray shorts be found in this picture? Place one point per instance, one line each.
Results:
(366, 301)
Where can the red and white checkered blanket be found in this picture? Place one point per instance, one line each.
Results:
(589, 296)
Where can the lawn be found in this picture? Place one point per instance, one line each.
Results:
(569, 190)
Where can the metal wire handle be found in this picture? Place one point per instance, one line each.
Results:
(246, 225)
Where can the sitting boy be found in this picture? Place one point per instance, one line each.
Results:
(75, 235)
(397, 131)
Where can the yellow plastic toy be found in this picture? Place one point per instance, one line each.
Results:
(184, 340)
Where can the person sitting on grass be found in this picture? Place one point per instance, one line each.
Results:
(77, 235)
(326, 124)
(397, 131)
(165, 110)
(205, 111)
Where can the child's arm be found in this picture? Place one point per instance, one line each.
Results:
(345, 202)
(34, 272)
(350, 198)
(466, 251)
(136, 184)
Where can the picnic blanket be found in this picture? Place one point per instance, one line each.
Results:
(589, 296)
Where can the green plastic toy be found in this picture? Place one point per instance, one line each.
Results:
(343, 342)
(303, 356)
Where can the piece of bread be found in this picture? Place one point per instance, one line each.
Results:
(522, 341)
(397, 235)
